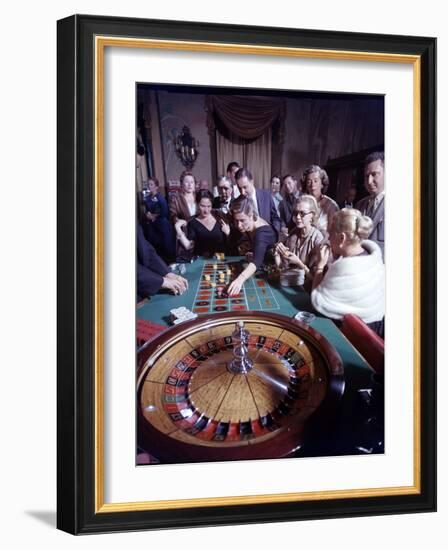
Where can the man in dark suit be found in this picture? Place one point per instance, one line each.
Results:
(290, 197)
(232, 169)
(349, 198)
(373, 204)
(225, 195)
(152, 272)
(262, 198)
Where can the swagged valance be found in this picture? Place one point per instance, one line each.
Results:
(245, 116)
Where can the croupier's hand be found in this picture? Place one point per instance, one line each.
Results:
(173, 285)
(181, 280)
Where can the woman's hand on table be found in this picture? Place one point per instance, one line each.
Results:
(235, 286)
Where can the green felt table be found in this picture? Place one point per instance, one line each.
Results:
(286, 301)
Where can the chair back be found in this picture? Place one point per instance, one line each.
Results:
(365, 340)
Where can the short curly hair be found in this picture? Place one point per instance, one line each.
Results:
(203, 194)
(244, 205)
(184, 174)
(322, 174)
(224, 179)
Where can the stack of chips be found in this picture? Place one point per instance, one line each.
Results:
(180, 314)
(292, 277)
(181, 269)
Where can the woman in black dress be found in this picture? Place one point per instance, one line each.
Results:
(206, 233)
(259, 237)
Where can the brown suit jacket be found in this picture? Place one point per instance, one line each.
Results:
(178, 208)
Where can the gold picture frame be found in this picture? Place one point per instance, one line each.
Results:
(82, 41)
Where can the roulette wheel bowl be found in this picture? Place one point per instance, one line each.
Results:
(192, 407)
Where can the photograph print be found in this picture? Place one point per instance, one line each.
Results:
(260, 274)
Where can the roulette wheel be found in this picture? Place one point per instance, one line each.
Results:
(234, 386)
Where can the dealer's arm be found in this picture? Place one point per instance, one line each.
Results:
(152, 272)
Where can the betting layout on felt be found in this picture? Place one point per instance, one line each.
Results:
(212, 297)
(212, 292)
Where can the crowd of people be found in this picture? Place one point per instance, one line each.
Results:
(294, 225)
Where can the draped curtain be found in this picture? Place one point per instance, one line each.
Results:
(258, 157)
(228, 150)
(254, 154)
(142, 171)
(244, 132)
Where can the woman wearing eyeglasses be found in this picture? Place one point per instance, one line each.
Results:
(300, 249)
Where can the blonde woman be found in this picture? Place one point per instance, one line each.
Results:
(355, 281)
(301, 247)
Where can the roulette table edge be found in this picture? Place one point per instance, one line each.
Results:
(285, 443)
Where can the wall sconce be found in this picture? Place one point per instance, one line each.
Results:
(186, 148)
